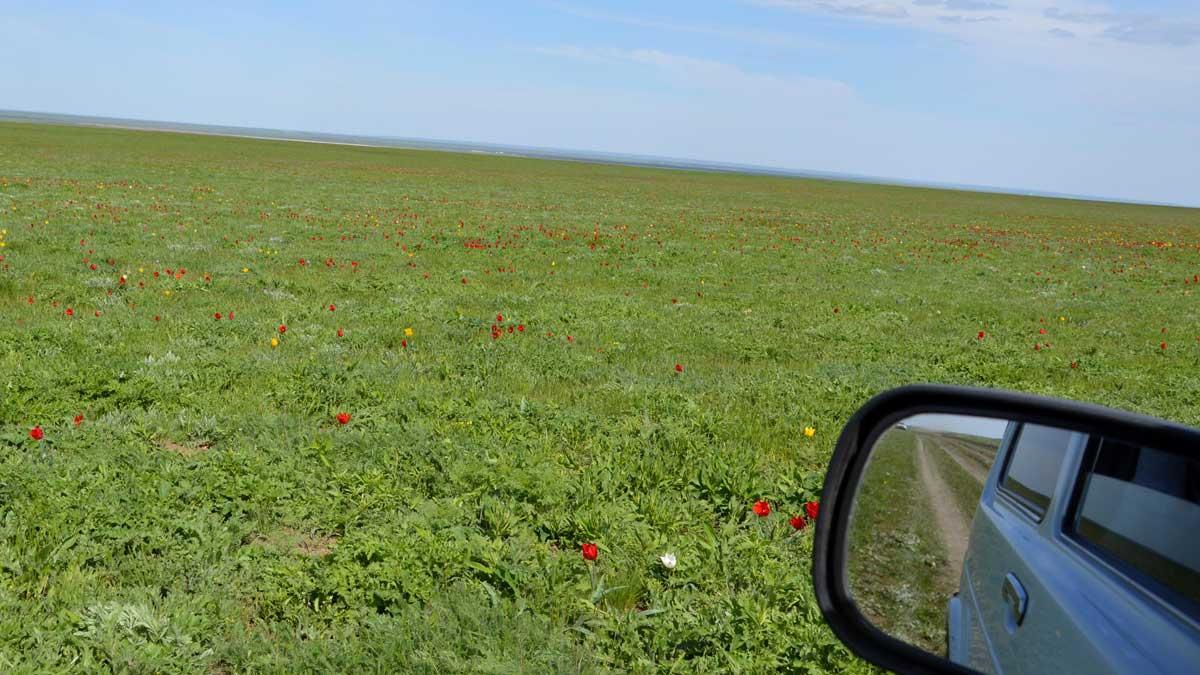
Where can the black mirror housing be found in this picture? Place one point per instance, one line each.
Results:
(850, 458)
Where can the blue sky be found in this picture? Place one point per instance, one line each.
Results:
(1095, 98)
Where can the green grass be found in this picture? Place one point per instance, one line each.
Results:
(210, 514)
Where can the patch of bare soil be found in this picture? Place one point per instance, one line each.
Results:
(294, 541)
(185, 450)
(953, 527)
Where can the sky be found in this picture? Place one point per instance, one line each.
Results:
(1072, 96)
(962, 424)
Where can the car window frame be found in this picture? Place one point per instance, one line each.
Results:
(1024, 507)
(1145, 586)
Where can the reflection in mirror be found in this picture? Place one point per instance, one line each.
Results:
(1009, 546)
(912, 521)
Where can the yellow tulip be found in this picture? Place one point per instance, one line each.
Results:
(809, 432)
(408, 332)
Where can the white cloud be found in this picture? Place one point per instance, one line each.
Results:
(768, 38)
(870, 10)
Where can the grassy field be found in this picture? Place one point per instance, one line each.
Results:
(672, 335)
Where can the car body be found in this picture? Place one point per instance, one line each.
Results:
(1083, 557)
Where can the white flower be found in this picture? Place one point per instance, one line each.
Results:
(668, 560)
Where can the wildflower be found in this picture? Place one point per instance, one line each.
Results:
(1162, 345)
(408, 332)
(36, 433)
(521, 328)
(217, 316)
(282, 329)
(78, 420)
(332, 308)
(668, 560)
(589, 551)
(343, 418)
(274, 342)
(678, 368)
(762, 509)
(981, 335)
(499, 318)
(798, 522)
(339, 333)
(809, 432)
(70, 312)
(811, 509)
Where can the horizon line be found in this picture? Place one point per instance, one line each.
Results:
(532, 152)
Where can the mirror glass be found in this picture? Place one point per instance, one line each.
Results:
(994, 543)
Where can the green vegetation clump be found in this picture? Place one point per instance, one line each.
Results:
(185, 317)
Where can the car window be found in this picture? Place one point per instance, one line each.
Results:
(1033, 465)
(1140, 507)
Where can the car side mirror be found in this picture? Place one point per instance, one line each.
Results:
(966, 530)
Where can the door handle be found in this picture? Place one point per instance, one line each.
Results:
(1017, 600)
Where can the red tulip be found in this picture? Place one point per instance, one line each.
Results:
(217, 316)
(762, 509)
(521, 328)
(1162, 345)
(811, 509)
(981, 335)
(70, 312)
(78, 420)
(590, 552)
(282, 329)
(339, 333)
(499, 318)
(678, 368)
(343, 418)
(332, 308)
(798, 522)
(36, 433)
